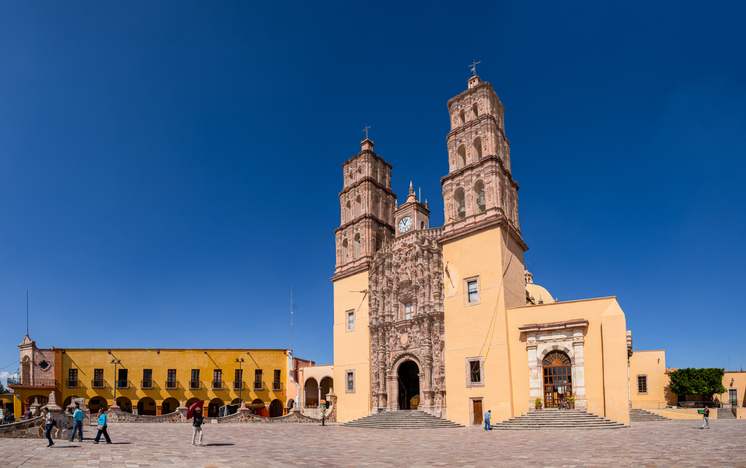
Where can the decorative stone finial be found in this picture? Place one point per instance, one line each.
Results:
(366, 144)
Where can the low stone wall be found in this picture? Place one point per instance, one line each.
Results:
(35, 428)
(119, 416)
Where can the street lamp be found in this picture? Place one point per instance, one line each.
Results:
(240, 374)
(116, 382)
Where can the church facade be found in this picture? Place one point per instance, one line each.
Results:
(446, 319)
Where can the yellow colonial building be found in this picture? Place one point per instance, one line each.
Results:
(447, 319)
(158, 381)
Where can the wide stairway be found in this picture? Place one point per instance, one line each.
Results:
(403, 419)
(640, 415)
(557, 420)
(726, 413)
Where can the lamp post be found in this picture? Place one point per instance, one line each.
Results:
(116, 382)
(240, 384)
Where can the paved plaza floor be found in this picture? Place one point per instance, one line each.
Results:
(670, 443)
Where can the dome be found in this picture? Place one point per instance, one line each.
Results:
(536, 294)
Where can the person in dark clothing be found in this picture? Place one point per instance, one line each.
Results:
(705, 417)
(197, 420)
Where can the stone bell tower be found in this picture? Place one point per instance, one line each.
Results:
(367, 208)
(479, 188)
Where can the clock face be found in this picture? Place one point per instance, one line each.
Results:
(405, 223)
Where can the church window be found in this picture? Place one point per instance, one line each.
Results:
(358, 206)
(345, 252)
(478, 148)
(642, 384)
(461, 158)
(462, 117)
(357, 245)
(475, 372)
(350, 320)
(350, 381)
(408, 311)
(475, 109)
(479, 196)
(348, 212)
(459, 203)
(379, 242)
(422, 225)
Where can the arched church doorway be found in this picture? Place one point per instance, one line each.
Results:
(409, 385)
(557, 379)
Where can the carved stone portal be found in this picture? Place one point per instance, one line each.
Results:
(406, 320)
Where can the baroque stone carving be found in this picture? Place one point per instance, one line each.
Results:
(407, 270)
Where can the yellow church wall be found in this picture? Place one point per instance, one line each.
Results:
(734, 380)
(352, 347)
(183, 361)
(467, 325)
(651, 364)
(604, 352)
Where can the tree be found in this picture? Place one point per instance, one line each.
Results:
(690, 381)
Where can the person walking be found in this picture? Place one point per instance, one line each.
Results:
(197, 420)
(27, 414)
(78, 416)
(705, 417)
(102, 427)
(487, 417)
(49, 421)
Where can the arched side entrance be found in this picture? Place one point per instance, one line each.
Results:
(214, 407)
(275, 409)
(144, 406)
(125, 404)
(95, 403)
(557, 372)
(311, 393)
(408, 376)
(327, 384)
(257, 407)
(169, 405)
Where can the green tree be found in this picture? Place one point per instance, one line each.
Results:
(690, 381)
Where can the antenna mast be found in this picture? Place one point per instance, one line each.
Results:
(27, 312)
(291, 320)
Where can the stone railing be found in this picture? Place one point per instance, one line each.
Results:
(119, 416)
(35, 428)
(330, 412)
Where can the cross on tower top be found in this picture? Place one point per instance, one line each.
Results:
(366, 131)
(473, 66)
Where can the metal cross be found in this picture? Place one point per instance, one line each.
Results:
(366, 131)
(473, 66)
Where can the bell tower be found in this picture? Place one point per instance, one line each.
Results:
(479, 188)
(367, 210)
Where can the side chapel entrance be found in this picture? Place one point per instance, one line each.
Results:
(557, 378)
(409, 385)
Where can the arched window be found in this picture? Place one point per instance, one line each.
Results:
(478, 148)
(357, 245)
(475, 109)
(345, 253)
(379, 242)
(358, 206)
(479, 196)
(348, 212)
(459, 203)
(462, 117)
(461, 158)
(422, 225)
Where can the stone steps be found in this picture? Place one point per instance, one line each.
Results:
(555, 420)
(726, 413)
(640, 415)
(404, 419)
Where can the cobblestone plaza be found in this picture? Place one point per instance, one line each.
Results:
(669, 443)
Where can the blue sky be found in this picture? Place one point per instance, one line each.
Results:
(169, 170)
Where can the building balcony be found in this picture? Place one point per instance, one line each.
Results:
(194, 385)
(277, 386)
(238, 385)
(218, 385)
(147, 385)
(72, 384)
(123, 384)
(172, 384)
(258, 385)
(98, 384)
(36, 383)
